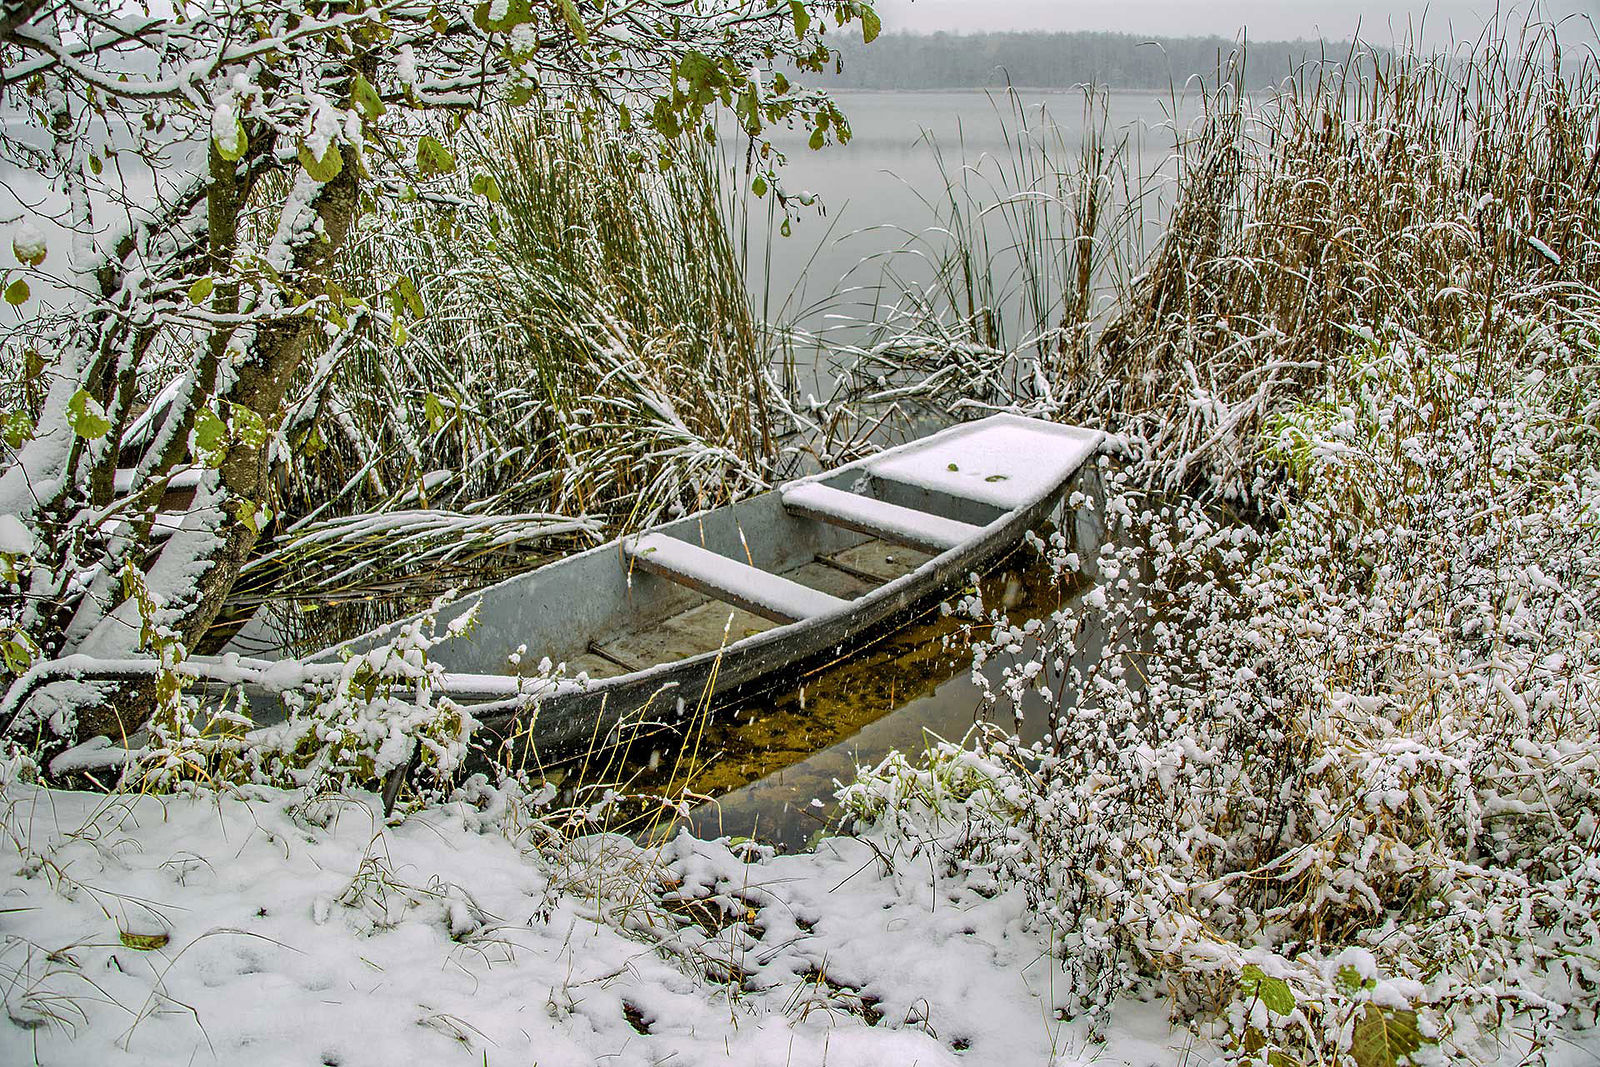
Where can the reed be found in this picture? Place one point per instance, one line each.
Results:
(1440, 196)
(587, 351)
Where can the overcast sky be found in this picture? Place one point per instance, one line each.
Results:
(1264, 19)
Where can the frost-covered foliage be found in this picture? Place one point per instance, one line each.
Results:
(1335, 776)
(1321, 752)
(202, 173)
(376, 716)
(589, 346)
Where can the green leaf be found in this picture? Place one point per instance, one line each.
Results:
(252, 517)
(759, 186)
(1277, 996)
(1349, 979)
(433, 157)
(17, 655)
(802, 18)
(86, 417)
(200, 291)
(569, 11)
(412, 298)
(818, 139)
(17, 293)
(485, 186)
(325, 169)
(236, 150)
(871, 24)
(1384, 1037)
(435, 413)
(143, 942)
(366, 98)
(516, 13)
(247, 426)
(15, 428)
(29, 249)
(784, 229)
(208, 434)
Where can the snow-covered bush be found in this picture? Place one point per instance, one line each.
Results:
(349, 725)
(1334, 777)
(382, 713)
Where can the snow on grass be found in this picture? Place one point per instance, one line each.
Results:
(273, 928)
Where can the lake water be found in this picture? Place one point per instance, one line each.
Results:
(883, 197)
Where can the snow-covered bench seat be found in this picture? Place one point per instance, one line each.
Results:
(768, 595)
(889, 522)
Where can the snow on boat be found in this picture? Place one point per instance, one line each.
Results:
(651, 625)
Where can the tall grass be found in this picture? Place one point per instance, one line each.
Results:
(1446, 196)
(587, 350)
(1031, 248)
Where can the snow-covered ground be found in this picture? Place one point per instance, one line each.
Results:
(315, 934)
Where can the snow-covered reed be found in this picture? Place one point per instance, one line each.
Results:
(578, 342)
(1334, 781)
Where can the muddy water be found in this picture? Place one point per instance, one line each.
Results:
(768, 769)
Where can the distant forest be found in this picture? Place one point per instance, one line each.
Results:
(1059, 60)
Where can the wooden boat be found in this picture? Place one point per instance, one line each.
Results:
(649, 626)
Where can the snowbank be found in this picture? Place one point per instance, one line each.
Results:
(274, 930)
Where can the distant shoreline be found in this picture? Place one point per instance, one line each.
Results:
(1058, 90)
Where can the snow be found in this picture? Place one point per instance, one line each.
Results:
(736, 582)
(15, 537)
(302, 931)
(1007, 461)
(322, 126)
(95, 754)
(187, 478)
(29, 244)
(405, 65)
(906, 526)
(225, 126)
(313, 933)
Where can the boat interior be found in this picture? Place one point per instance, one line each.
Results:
(712, 623)
(704, 582)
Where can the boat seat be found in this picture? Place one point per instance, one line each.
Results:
(898, 525)
(758, 592)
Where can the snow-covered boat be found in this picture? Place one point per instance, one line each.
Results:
(649, 626)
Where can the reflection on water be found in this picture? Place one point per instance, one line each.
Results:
(770, 766)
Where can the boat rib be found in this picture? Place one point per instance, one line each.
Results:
(758, 592)
(889, 522)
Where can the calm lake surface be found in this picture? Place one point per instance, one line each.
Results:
(882, 198)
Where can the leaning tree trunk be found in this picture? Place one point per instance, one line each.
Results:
(242, 368)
